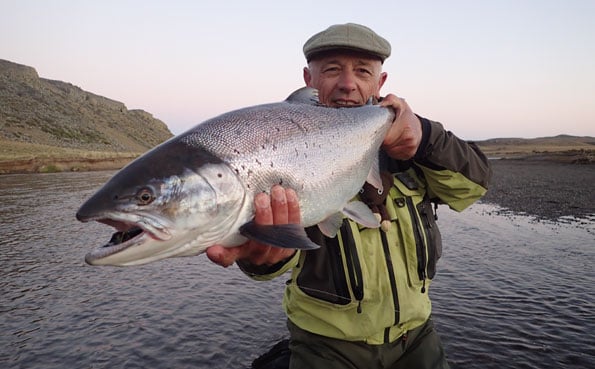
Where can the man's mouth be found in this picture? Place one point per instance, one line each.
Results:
(342, 102)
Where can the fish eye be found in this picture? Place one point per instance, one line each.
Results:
(145, 196)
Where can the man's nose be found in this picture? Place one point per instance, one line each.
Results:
(347, 81)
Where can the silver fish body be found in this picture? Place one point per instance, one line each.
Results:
(197, 189)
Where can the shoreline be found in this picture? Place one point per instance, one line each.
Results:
(26, 158)
(54, 165)
(547, 187)
(82, 161)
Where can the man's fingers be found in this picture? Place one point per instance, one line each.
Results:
(224, 256)
(279, 205)
(263, 211)
(294, 214)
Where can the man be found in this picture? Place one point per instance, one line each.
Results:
(361, 300)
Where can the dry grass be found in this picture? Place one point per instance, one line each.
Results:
(13, 151)
(20, 157)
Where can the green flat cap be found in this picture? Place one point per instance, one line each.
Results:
(349, 36)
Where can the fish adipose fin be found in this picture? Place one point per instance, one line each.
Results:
(286, 236)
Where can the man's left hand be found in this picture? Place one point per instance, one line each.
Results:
(404, 136)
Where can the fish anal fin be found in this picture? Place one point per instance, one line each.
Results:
(361, 213)
(374, 178)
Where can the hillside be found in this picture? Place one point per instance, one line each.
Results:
(42, 119)
(48, 125)
(561, 148)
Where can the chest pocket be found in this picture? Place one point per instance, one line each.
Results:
(410, 208)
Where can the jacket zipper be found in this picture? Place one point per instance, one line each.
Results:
(354, 269)
(429, 238)
(393, 283)
(419, 244)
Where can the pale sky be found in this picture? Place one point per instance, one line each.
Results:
(485, 69)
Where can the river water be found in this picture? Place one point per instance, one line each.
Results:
(511, 292)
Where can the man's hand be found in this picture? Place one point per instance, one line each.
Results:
(282, 207)
(404, 136)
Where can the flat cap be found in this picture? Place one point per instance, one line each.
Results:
(349, 36)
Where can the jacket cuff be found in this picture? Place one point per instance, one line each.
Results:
(265, 272)
(426, 130)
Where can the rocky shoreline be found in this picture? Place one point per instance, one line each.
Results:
(51, 165)
(542, 188)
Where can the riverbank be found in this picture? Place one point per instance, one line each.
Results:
(20, 157)
(545, 184)
(543, 188)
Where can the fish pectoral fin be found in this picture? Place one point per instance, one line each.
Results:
(330, 226)
(361, 213)
(286, 236)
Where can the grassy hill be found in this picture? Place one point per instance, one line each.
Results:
(45, 124)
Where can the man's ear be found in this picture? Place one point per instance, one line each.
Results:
(383, 77)
(307, 77)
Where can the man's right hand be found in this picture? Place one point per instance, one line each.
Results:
(281, 207)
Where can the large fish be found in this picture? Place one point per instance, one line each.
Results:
(197, 189)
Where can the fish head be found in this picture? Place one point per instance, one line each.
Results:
(173, 201)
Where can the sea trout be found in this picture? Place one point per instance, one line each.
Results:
(197, 189)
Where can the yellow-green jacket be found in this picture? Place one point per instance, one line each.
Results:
(372, 285)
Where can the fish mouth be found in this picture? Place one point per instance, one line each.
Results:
(126, 236)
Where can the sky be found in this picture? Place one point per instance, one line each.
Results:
(485, 69)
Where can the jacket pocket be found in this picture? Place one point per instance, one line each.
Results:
(418, 230)
(327, 273)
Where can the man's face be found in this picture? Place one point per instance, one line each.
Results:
(345, 79)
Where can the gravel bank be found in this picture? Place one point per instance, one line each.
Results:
(544, 189)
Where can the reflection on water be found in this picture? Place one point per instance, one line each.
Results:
(511, 292)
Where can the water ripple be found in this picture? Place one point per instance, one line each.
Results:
(507, 287)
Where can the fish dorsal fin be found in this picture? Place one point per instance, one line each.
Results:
(361, 213)
(305, 95)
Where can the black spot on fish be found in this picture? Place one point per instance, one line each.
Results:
(219, 175)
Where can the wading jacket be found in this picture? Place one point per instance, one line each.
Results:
(372, 285)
